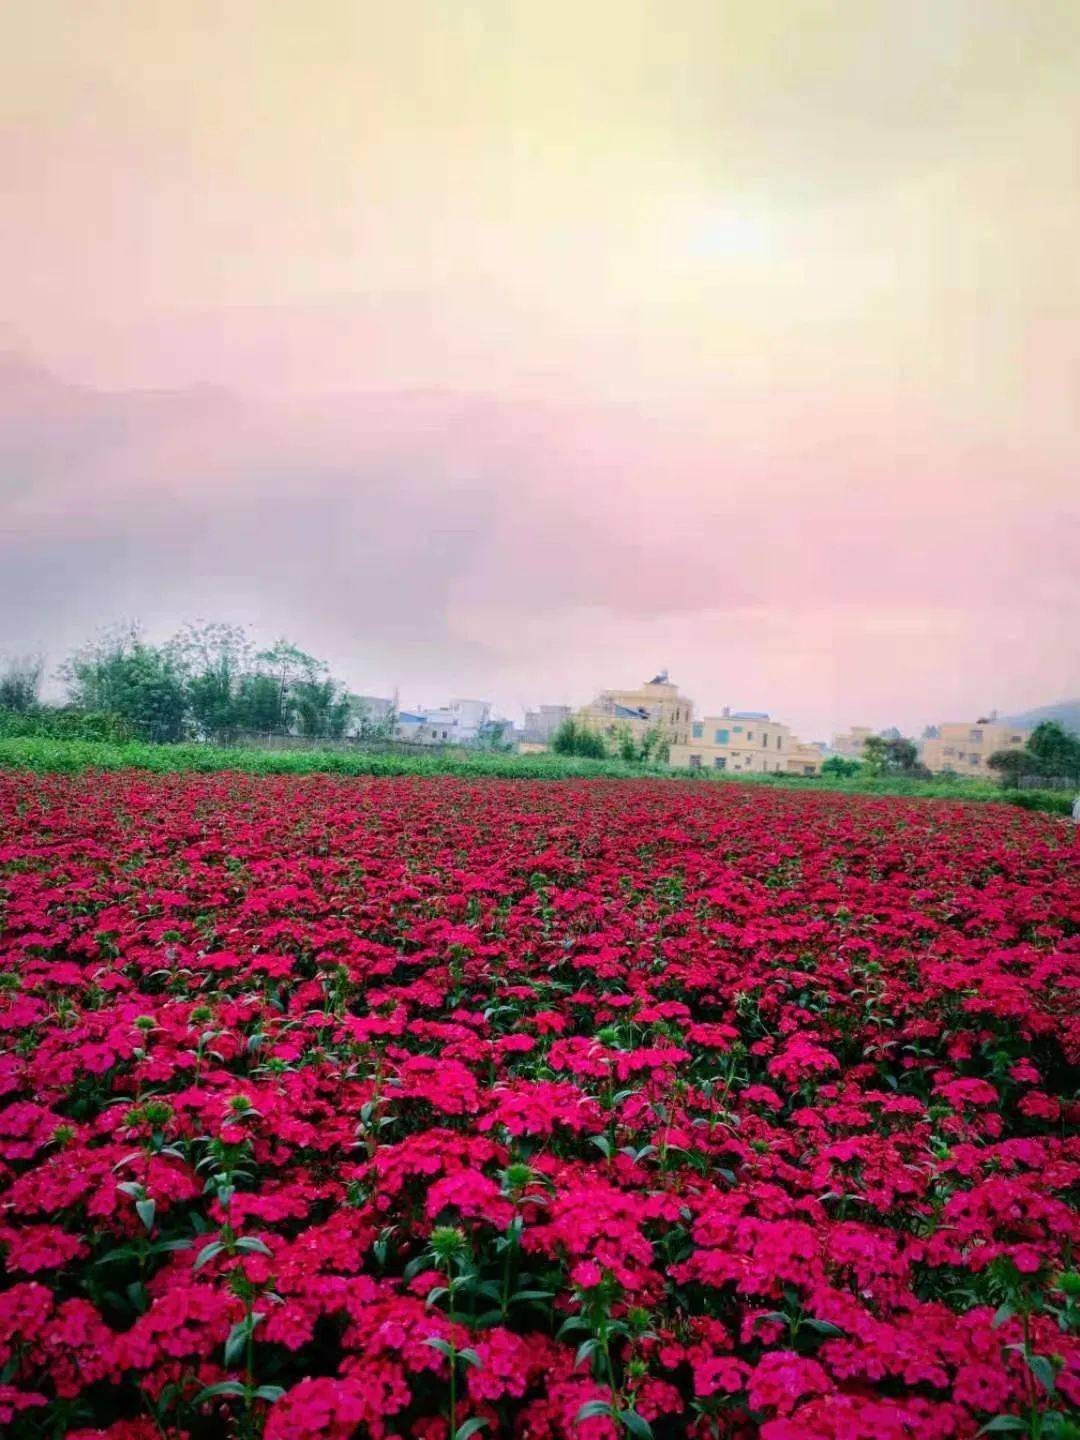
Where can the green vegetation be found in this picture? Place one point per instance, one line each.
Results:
(207, 683)
(895, 756)
(44, 753)
(1051, 753)
(575, 738)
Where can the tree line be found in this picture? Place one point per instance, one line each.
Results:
(207, 682)
(1050, 753)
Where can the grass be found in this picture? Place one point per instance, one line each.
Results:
(69, 756)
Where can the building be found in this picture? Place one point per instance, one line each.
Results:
(746, 742)
(541, 724)
(852, 743)
(371, 717)
(655, 705)
(962, 747)
(462, 722)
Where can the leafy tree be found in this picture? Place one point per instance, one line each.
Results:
(258, 704)
(892, 755)
(120, 674)
(214, 660)
(653, 746)
(841, 766)
(1012, 765)
(1051, 753)
(319, 708)
(1055, 751)
(574, 738)
(20, 684)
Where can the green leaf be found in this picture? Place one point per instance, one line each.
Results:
(443, 1346)
(207, 1253)
(250, 1245)
(470, 1427)
(585, 1350)
(1043, 1370)
(1001, 1314)
(146, 1209)
(823, 1327)
(591, 1409)
(223, 1387)
(234, 1345)
(636, 1424)
(470, 1357)
(269, 1392)
(1002, 1424)
(603, 1144)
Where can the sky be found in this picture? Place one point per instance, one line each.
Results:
(516, 350)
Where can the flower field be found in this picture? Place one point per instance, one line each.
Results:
(442, 1107)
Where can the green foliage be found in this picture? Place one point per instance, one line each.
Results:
(898, 756)
(1051, 753)
(651, 747)
(60, 722)
(842, 767)
(206, 682)
(46, 754)
(574, 738)
(120, 674)
(1055, 751)
(20, 682)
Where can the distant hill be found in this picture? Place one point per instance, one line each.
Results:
(1065, 712)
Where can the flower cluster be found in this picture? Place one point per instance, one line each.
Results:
(419, 1109)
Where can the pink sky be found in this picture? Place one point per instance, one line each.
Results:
(520, 349)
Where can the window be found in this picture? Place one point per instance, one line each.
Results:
(749, 735)
(722, 737)
(765, 741)
(699, 729)
(974, 758)
(719, 763)
(737, 729)
(974, 734)
(779, 742)
(695, 762)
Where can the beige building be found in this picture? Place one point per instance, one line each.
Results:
(745, 742)
(963, 747)
(852, 743)
(655, 705)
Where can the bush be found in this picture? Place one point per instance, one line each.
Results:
(573, 738)
(54, 722)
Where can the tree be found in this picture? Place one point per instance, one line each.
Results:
(573, 738)
(319, 708)
(20, 684)
(258, 704)
(120, 674)
(841, 766)
(653, 746)
(1055, 751)
(214, 660)
(893, 755)
(1012, 765)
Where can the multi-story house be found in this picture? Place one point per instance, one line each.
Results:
(852, 743)
(540, 727)
(459, 723)
(745, 742)
(655, 705)
(963, 747)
